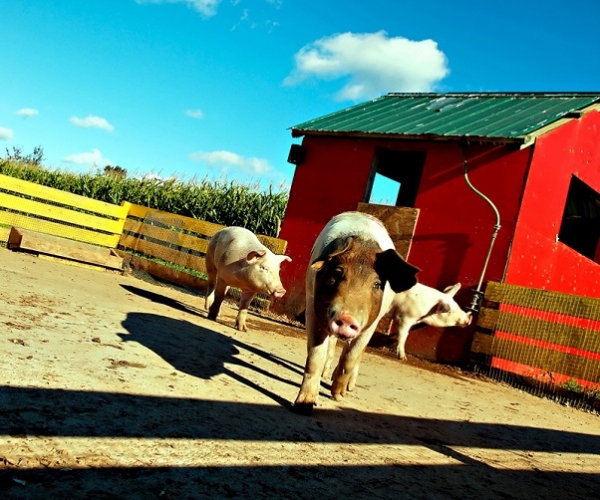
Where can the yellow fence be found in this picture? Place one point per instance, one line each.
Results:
(51, 211)
(169, 246)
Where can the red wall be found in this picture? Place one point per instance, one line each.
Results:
(453, 231)
(536, 258)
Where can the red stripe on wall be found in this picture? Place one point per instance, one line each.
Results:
(565, 319)
(544, 344)
(539, 374)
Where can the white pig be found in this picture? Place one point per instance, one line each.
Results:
(236, 258)
(353, 275)
(423, 304)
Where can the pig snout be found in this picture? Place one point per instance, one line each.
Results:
(466, 321)
(280, 292)
(345, 326)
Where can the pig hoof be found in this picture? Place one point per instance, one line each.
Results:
(304, 409)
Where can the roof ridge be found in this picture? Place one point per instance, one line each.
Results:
(494, 94)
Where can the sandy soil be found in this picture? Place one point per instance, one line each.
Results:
(115, 387)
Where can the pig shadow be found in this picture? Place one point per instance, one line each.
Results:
(161, 299)
(201, 352)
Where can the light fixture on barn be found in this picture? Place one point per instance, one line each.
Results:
(478, 294)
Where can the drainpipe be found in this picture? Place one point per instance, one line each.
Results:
(477, 298)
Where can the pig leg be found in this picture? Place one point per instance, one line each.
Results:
(403, 331)
(240, 321)
(347, 368)
(330, 355)
(220, 289)
(209, 298)
(317, 343)
(354, 374)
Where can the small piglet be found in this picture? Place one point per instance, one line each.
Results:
(236, 258)
(423, 304)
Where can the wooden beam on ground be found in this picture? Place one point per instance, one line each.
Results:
(32, 241)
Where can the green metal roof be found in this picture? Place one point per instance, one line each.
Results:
(486, 116)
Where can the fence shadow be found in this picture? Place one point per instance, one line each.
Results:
(55, 413)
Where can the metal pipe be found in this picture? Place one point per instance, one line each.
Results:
(477, 298)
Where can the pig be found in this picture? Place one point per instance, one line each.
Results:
(351, 280)
(419, 304)
(423, 304)
(236, 258)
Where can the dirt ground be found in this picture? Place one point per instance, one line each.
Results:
(115, 387)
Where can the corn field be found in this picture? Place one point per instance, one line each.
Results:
(228, 203)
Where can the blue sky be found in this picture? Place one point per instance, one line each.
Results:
(209, 88)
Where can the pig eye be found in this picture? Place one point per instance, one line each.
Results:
(335, 276)
(377, 285)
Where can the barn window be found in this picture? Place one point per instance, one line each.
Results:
(580, 227)
(395, 177)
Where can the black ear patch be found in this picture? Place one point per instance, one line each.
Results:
(390, 266)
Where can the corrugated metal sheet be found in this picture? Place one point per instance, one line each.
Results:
(490, 116)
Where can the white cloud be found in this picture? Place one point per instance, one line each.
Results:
(93, 159)
(372, 63)
(6, 134)
(226, 159)
(92, 121)
(27, 112)
(195, 113)
(207, 8)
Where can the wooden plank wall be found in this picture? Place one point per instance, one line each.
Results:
(51, 211)
(175, 239)
(399, 221)
(547, 337)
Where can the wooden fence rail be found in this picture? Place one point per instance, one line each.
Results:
(547, 337)
(159, 240)
(51, 211)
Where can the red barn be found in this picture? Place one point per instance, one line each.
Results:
(534, 156)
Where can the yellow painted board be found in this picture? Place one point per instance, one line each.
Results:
(274, 244)
(557, 302)
(59, 196)
(179, 221)
(164, 253)
(194, 225)
(57, 229)
(167, 235)
(4, 233)
(59, 213)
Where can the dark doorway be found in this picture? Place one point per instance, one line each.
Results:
(395, 177)
(580, 227)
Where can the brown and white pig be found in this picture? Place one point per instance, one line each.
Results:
(423, 304)
(236, 258)
(351, 281)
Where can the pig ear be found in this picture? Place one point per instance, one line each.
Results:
(254, 255)
(336, 247)
(285, 258)
(451, 290)
(390, 266)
